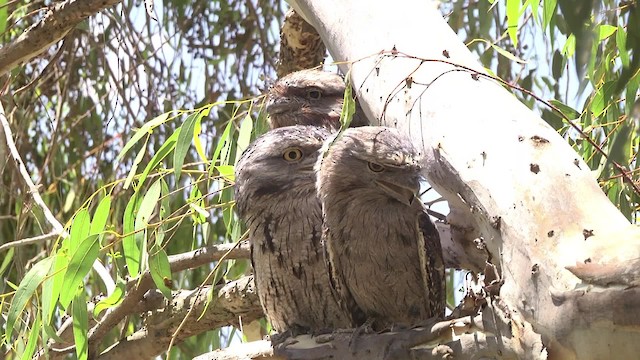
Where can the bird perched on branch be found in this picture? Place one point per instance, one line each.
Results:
(276, 197)
(384, 252)
(309, 97)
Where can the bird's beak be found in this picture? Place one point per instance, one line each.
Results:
(405, 193)
(280, 105)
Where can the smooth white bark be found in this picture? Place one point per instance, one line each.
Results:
(508, 176)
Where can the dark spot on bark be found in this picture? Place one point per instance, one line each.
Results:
(576, 162)
(587, 233)
(409, 82)
(315, 237)
(475, 76)
(406, 241)
(534, 269)
(297, 271)
(550, 233)
(280, 259)
(377, 71)
(496, 221)
(587, 260)
(539, 140)
(535, 168)
(445, 53)
(520, 138)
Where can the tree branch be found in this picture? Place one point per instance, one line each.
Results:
(235, 300)
(496, 333)
(56, 23)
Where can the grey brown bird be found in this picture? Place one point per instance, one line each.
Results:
(384, 252)
(276, 197)
(309, 97)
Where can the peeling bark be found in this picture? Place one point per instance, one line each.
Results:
(300, 45)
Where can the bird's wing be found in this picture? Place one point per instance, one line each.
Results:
(431, 264)
(339, 287)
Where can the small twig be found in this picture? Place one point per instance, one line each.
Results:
(29, 241)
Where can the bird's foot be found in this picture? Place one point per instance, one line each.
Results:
(287, 337)
(366, 328)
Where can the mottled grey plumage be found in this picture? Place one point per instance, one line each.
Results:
(383, 250)
(276, 197)
(309, 97)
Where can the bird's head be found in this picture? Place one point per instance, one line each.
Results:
(378, 163)
(306, 97)
(277, 163)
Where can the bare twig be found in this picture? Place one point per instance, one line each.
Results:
(29, 241)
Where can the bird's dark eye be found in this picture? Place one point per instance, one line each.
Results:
(314, 94)
(375, 167)
(292, 154)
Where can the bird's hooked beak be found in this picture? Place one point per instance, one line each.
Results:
(280, 105)
(405, 193)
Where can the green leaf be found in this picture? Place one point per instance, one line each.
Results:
(164, 150)
(620, 148)
(227, 171)
(348, 105)
(507, 54)
(80, 325)
(130, 247)
(7, 260)
(114, 299)
(79, 229)
(534, 4)
(183, 144)
(160, 270)
(33, 338)
(549, 11)
(604, 31)
(569, 47)
(224, 138)
(101, 215)
(244, 136)
(144, 130)
(81, 261)
(53, 285)
(26, 289)
(569, 112)
(134, 167)
(513, 17)
(621, 43)
(3, 16)
(600, 101)
(148, 205)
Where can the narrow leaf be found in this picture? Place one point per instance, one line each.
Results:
(52, 287)
(25, 290)
(164, 150)
(130, 247)
(183, 143)
(101, 215)
(244, 136)
(621, 43)
(33, 339)
(114, 299)
(549, 11)
(134, 167)
(81, 261)
(513, 17)
(569, 112)
(148, 205)
(604, 31)
(79, 229)
(144, 130)
(80, 325)
(160, 270)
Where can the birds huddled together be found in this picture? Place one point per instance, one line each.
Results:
(339, 238)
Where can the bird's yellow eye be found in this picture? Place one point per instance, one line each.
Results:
(375, 167)
(292, 154)
(314, 94)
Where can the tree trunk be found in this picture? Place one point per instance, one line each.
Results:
(512, 182)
